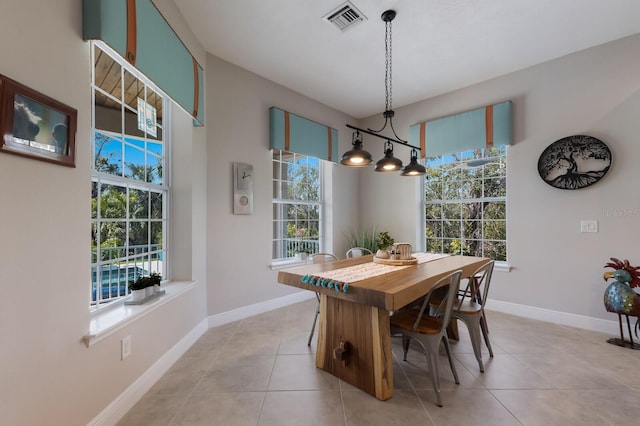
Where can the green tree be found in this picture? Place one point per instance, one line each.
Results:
(460, 216)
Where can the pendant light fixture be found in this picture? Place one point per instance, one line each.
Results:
(414, 168)
(357, 156)
(389, 163)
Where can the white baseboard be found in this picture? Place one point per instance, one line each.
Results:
(127, 399)
(258, 308)
(541, 314)
(556, 317)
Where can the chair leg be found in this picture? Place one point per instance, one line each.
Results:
(451, 363)
(485, 334)
(474, 333)
(405, 346)
(432, 360)
(313, 327)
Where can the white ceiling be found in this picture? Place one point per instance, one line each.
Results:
(438, 45)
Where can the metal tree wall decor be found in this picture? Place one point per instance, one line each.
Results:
(574, 162)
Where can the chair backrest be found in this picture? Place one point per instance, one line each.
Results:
(478, 284)
(323, 257)
(444, 290)
(358, 251)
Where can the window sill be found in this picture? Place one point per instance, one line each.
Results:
(502, 267)
(289, 263)
(109, 320)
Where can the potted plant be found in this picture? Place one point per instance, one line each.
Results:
(383, 241)
(365, 239)
(155, 279)
(145, 286)
(137, 289)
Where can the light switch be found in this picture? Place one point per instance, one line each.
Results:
(588, 226)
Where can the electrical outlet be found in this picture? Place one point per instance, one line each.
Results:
(589, 226)
(125, 346)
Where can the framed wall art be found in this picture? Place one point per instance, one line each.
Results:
(36, 126)
(574, 162)
(242, 188)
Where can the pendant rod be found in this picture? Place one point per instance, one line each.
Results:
(383, 137)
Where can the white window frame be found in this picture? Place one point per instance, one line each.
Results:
(131, 260)
(463, 160)
(278, 223)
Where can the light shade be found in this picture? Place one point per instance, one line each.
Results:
(413, 168)
(357, 156)
(389, 163)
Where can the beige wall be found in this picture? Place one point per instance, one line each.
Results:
(594, 92)
(239, 246)
(47, 374)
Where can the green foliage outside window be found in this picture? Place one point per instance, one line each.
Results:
(465, 207)
(297, 204)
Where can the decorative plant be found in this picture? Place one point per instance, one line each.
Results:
(365, 239)
(143, 282)
(384, 240)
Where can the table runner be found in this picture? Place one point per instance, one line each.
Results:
(340, 279)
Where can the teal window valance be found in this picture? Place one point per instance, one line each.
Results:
(484, 127)
(293, 133)
(137, 31)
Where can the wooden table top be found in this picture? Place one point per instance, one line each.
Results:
(389, 291)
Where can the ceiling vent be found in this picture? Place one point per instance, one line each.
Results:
(344, 16)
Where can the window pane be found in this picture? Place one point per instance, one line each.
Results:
(154, 169)
(108, 154)
(497, 250)
(495, 230)
(451, 190)
(112, 238)
(107, 74)
(451, 229)
(131, 122)
(451, 210)
(433, 190)
(495, 187)
(155, 100)
(296, 179)
(434, 245)
(107, 113)
(434, 228)
(134, 161)
(495, 210)
(472, 197)
(433, 211)
(157, 205)
(113, 202)
(157, 235)
(94, 200)
(472, 229)
(129, 219)
(138, 204)
(471, 210)
(138, 236)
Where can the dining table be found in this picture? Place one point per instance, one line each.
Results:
(357, 296)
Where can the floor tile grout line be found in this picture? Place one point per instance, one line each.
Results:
(206, 370)
(517, 350)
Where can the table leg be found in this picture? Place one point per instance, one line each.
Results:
(452, 330)
(354, 344)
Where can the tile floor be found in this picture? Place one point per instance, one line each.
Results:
(260, 371)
